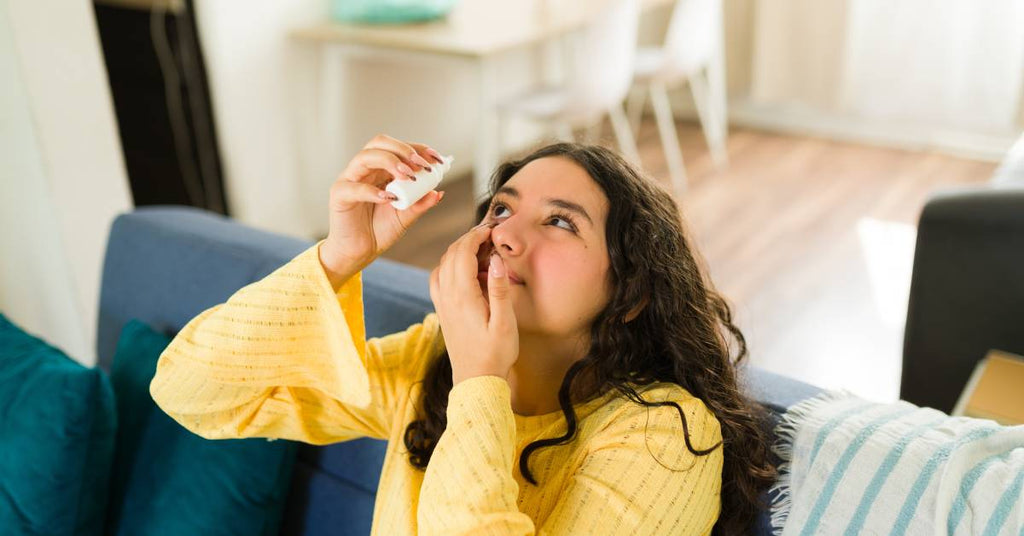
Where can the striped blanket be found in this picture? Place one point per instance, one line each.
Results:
(852, 466)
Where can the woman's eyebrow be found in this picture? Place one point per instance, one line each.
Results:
(562, 203)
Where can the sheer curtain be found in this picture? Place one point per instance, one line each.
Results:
(951, 64)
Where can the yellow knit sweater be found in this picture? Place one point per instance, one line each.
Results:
(287, 357)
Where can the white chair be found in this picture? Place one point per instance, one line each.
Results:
(693, 52)
(599, 72)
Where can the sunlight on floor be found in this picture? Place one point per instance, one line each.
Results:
(850, 336)
(888, 249)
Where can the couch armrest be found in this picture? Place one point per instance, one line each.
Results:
(966, 293)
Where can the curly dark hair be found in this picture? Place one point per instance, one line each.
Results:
(683, 335)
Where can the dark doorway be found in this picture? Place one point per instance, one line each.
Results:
(161, 97)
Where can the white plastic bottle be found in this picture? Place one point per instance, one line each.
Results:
(410, 191)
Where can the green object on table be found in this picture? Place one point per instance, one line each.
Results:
(390, 11)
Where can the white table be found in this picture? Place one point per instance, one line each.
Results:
(475, 31)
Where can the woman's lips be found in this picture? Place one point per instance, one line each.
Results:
(513, 277)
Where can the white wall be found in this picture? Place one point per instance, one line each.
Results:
(254, 72)
(921, 74)
(62, 178)
(264, 87)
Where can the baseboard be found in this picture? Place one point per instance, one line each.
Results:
(806, 121)
(990, 147)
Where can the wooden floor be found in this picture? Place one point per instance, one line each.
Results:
(810, 239)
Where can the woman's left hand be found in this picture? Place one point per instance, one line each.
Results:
(480, 333)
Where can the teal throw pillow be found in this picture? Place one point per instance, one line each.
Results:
(169, 481)
(57, 429)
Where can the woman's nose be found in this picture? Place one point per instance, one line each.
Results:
(507, 236)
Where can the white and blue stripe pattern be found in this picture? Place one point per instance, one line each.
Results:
(851, 466)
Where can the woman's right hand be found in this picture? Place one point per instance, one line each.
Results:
(363, 224)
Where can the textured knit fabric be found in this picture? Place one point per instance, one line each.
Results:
(853, 466)
(287, 357)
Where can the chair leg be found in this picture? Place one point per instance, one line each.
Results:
(718, 91)
(635, 106)
(669, 137)
(711, 121)
(623, 135)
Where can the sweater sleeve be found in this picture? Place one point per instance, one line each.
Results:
(468, 486)
(287, 357)
(637, 476)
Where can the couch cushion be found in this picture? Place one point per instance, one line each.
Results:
(57, 428)
(167, 480)
(777, 393)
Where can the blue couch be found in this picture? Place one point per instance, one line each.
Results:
(166, 264)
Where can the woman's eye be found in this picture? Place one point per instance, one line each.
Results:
(568, 225)
(566, 222)
(494, 210)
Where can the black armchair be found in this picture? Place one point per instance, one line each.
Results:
(967, 290)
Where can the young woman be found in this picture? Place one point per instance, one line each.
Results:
(576, 377)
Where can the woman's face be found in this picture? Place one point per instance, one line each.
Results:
(549, 228)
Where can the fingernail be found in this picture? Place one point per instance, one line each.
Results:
(404, 168)
(440, 196)
(497, 266)
(420, 160)
(383, 194)
(436, 155)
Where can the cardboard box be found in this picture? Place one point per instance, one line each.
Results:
(995, 390)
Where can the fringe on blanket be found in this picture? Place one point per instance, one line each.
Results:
(785, 435)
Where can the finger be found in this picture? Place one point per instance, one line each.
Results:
(458, 269)
(453, 279)
(465, 254)
(368, 160)
(409, 215)
(498, 291)
(435, 290)
(345, 193)
(405, 151)
(444, 268)
(427, 151)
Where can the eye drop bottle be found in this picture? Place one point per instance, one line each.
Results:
(410, 191)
